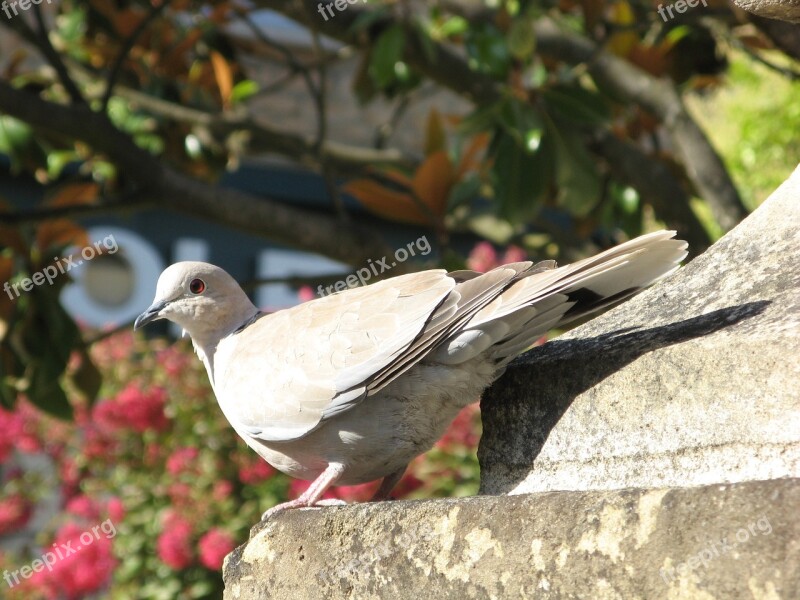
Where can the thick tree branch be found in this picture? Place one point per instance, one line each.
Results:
(294, 227)
(656, 184)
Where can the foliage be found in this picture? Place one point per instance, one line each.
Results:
(157, 458)
(756, 132)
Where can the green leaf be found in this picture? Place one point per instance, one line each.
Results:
(57, 160)
(387, 52)
(366, 19)
(453, 26)
(45, 391)
(520, 176)
(579, 183)
(244, 90)
(521, 38)
(487, 51)
(87, 378)
(577, 104)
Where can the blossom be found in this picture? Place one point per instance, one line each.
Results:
(214, 546)
(180, 460)
(20, 430)
(116, 509)
(408, 484)
(174, 545)
(134, 409)
(222, 489)
(305, 293)
(173, 360)
(83, 506)
(483, 257)
(255, 471)
(464, 430)
(15, 512)
(84, 571)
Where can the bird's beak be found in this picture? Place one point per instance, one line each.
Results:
(151, 314)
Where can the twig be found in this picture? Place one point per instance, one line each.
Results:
(126, 49)
(43, 43)
(59, 212)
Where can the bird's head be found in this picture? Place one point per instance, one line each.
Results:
(202, 299)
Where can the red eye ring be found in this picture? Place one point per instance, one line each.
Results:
(197, 286)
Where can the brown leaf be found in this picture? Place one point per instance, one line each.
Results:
(75, 194)
(223, 75)
(387, 203)
(469, 159)
(433, 181)
(60, 232)
(434, 133)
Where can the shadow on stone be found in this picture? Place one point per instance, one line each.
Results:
(588, 362)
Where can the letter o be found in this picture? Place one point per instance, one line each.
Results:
(145, 265)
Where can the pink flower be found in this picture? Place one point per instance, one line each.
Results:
(173, 360)
(214, 546)
(84, 506)
(180, 494)
(464, 430)
(222, 489)
(134, 409)
(116, 509)
(180, 460)
(482, 258)
(15, 512)
(174, 545)
(514, 254)
(84, 570)
(305, 293)
(20, 430)
(255, 471)
(409, 483)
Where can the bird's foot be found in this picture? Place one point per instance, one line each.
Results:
(300, 503)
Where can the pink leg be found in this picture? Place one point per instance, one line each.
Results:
(314, 492)
(387, 485)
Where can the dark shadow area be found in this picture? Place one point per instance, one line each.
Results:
(547, 379)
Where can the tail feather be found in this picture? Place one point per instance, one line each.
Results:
(540, 297)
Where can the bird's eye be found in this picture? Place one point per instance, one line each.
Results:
(197, 286)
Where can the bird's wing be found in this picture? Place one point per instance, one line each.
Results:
(289, 371)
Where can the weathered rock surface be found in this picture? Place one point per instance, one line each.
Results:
(782, 10)
(735, 541)
(693, 382)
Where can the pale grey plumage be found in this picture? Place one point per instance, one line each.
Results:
(351, 387)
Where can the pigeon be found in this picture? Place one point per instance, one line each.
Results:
(349, 388)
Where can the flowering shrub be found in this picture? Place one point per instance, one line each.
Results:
(156, 457)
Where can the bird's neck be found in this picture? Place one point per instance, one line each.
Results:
(206, 342)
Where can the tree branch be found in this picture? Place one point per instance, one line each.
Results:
(303, 229)
(126, 48)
